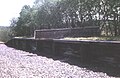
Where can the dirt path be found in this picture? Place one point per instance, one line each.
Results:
(20, 64)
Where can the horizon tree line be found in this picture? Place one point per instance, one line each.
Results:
(48, 14)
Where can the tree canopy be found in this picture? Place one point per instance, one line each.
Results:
(47, 14)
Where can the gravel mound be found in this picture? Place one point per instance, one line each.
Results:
(20, 64)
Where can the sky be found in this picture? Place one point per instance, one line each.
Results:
(10, 9)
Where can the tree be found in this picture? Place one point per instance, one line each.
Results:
(69, 14)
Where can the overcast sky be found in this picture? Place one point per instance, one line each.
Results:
(10, 9)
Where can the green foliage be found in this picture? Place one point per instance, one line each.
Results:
(5, 34)
(68, 13)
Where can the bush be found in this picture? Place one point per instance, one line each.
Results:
(4, 34)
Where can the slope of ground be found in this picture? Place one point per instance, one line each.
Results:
(20, 64)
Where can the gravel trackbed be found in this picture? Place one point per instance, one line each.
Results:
(20, 64)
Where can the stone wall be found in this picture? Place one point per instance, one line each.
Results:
(105, 51)
(46, 42)
(67, 32)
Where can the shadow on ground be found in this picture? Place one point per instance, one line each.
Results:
(95, 66)
(109, 69)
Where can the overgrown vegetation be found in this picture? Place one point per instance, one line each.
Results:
(5, 34)
(68, 13)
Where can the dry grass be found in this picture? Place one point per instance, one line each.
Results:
(95, 38)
